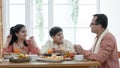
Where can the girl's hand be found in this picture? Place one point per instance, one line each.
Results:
(31, 38)
(33, 42)
(9, 37)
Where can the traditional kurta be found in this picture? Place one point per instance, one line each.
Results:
(30, 49)
(107, 53)
(67, 45)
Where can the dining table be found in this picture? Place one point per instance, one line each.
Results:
(42, 64)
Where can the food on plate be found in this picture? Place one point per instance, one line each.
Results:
(67, 54)
(22, 56)
(54, 57)
(71, 55)
(16, 51)
(50, 51)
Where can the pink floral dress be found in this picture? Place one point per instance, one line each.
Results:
(30, 49)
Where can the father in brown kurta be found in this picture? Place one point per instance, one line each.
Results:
(105, 48)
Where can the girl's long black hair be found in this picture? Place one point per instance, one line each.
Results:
(16, 29)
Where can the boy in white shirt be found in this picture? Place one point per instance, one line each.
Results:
(58, 44)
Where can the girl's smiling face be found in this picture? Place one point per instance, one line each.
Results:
(22, 34)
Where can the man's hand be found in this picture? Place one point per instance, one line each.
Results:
(78, 49)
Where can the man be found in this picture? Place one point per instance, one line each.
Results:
(105, 48)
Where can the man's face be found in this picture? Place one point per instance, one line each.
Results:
(93, 25)
(58, 37)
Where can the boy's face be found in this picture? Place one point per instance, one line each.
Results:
(58, 37)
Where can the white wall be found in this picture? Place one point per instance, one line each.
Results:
(112, 10)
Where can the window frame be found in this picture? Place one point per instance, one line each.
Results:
(29, 15)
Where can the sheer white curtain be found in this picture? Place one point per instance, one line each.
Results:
(40, 15)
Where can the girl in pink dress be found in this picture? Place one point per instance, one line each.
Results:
(16, 40)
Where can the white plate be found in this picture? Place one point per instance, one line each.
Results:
(48, 60)
(8, 56)
(79, 60)
(1, 60)
(67, 59)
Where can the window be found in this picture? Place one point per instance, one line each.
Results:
(74, 16)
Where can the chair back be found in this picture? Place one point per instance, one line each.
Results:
(119, 54)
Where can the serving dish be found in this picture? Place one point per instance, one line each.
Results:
(19, 60)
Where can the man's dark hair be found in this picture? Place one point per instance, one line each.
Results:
(53, 31)
(102, 20)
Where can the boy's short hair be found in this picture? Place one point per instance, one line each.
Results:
(54, 30)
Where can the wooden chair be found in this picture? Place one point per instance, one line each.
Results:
(119, 54)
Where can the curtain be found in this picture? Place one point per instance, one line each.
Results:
(1, 29)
